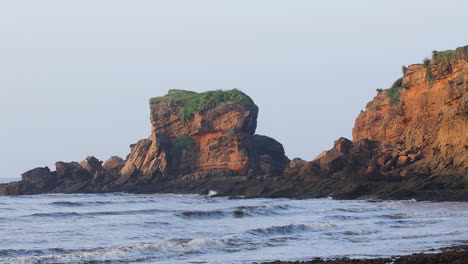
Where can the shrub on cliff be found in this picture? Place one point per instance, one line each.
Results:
(393, 93)
(404, 69)
(429, 75)
(426, 62)
(398, 83)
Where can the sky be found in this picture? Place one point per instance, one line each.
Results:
(76, 76)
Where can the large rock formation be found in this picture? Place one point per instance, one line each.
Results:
(410, 142)
(194, 137)
(427, 125)
(216, 135)
(413, 137)
(193, 134)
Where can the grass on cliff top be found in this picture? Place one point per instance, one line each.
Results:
(194, 102)
(393, 93)
(212, 99)
(174, 95)
(448, 55)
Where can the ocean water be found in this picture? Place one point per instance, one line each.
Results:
(165, 228)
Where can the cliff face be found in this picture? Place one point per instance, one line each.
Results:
(428, 125)
(194, 133)
(216, 137)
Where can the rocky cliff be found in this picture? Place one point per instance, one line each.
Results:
(413, 137)
(410, 142)
(426, 125)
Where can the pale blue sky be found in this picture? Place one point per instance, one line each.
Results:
(76, 76)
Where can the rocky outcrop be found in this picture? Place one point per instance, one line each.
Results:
(218, 136)
(193, 133)
(193, 137)
(427, 128)
(410, 142)
(69, 177)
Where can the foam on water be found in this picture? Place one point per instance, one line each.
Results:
(130, 228)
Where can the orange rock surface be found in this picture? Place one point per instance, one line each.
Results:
(222, 137)
(430, 121)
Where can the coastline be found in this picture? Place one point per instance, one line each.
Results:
(457, 254)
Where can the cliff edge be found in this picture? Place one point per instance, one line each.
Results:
(424, 116)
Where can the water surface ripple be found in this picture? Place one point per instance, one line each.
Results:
(164, 228)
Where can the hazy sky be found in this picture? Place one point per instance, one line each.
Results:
(76, 76)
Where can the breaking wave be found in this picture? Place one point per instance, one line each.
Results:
(240, 211)
(64, 203)
(289, 229)
(136, 253)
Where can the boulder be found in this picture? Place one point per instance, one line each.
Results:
(39, 178)
(273, 160)
(294, 167)
(71, 171)
(114, 163)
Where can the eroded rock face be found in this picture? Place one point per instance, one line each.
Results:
(430, 122)
(218, 137)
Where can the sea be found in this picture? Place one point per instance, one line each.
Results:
(173, 228)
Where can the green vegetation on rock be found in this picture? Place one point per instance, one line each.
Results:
(174, 95)
(426, 62)
(393, 93)
(211, 99)
(429, 75)
(181, 143)
(404, 69)
(398, 83)
(447, 55)
(194, 102)
(244, 152)
(438, 58)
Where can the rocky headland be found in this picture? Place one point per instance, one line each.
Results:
(410, 142)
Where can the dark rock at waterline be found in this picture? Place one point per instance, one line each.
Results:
(452, 255)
